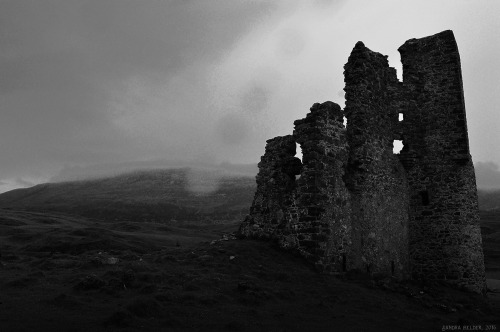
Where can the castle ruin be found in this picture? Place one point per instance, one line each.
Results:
(351, 203)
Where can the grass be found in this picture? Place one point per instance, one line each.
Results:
(61, 272)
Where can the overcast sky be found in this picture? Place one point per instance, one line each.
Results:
(113, 81)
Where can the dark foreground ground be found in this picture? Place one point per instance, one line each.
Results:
(68, 273)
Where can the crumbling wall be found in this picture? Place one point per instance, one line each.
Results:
(375, 177)
(311, 214)
(273, 204)
(445, 238)
(323, 228)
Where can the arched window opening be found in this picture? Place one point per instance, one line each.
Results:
(397, 146)
(298, 154)
(298, 151)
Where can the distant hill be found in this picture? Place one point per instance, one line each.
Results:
(489, 199)
(76, 173)
(487, 175)
(183, 194)
(180, 194)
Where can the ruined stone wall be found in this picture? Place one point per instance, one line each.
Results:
(323, 229)
(445, 238)
(273, 206)
(356, 205)
(310, 214)
(375, 177)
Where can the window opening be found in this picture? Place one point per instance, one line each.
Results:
(401, 117)
(298, 154)
(397, 146)
(425, 197)
(298, 151)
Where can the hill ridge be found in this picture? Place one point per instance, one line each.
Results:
(162, 194)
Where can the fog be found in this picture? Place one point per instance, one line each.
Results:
(97, 84)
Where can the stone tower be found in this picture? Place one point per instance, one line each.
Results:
(444, 233)
(351, 203)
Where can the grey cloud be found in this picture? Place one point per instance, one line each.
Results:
(255, 98)
(232, 129)
(62, 63)
(123, 36)
(291, 43)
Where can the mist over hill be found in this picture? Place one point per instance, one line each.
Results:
(489, 200)
(206, 193)
(73, 173)
(487, 175)
(183, 194)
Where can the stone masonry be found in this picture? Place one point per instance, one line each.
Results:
(351, 203)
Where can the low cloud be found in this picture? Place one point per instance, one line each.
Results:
(203, 182)
(24, 183)
(72, 173)
(232, 129)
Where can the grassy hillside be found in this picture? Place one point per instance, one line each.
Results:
(153, 195)
(105, 255)
(181, 194)
(68, 273)
(490, 231)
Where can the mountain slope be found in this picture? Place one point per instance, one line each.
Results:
(153, 195)
(489, 199)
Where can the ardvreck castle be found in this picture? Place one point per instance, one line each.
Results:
(351, 203)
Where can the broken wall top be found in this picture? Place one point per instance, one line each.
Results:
(435, 123)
